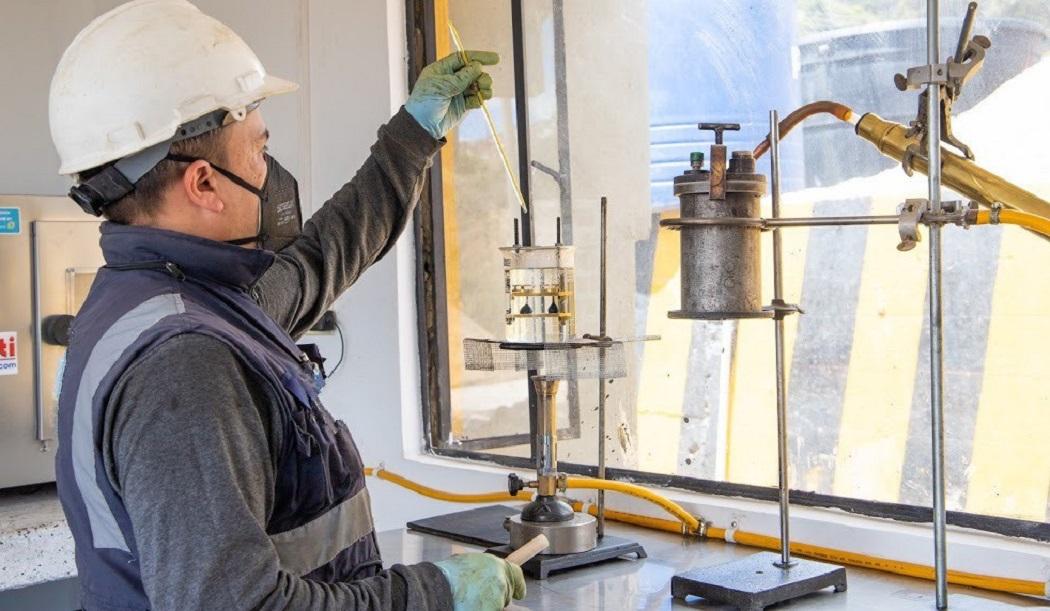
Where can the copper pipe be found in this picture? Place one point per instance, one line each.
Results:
(840, 111)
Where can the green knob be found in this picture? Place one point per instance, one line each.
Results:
(696, 159)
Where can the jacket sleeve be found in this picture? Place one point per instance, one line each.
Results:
(354, 229)
(190, 454)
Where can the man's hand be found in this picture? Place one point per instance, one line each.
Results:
(482, 582)
(446, 90)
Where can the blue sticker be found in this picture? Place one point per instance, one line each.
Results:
(10, 221)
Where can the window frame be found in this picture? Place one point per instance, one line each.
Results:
(434, 357)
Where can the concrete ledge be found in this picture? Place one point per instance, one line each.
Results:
(35, 543)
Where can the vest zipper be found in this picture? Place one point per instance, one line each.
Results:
(167, 267)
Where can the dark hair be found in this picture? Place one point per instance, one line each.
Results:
(142, 203)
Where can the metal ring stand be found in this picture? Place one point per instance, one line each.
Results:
(766, 578)
(719, 582)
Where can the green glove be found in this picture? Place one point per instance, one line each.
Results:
(445, 91)
(482, 582)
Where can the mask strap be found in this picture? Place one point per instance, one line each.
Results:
(237, 180)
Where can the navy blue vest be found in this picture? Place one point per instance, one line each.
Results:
(158, 284)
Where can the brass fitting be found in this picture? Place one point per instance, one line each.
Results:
(552, 483)
(959, 174)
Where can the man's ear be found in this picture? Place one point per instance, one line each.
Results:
(198, 183)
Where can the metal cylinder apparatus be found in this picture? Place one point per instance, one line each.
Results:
(721, 227)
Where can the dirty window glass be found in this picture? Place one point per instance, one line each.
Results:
(614, 99)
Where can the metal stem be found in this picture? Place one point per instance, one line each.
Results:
(933, 151)
(826, 221)
(601, 381)
(547, 426)
(778, 325)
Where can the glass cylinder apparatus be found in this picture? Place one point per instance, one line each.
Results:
(539, 285)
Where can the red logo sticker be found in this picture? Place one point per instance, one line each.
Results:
(8, 353)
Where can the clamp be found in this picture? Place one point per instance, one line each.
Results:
(949, 78)
(911, 214)
(782, 309)
(915, 212)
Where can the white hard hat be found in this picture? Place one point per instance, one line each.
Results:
(138, 72)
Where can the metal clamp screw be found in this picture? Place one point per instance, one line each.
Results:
(911, 213)
(515, 484)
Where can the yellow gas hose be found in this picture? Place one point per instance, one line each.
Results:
(1033, 222)
(692, 527)
(441, 495)
(639, 492)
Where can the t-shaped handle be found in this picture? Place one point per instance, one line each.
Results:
(719, 128)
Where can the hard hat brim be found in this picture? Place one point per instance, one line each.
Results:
(271, 86)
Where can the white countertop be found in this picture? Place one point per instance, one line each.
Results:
(36, 547)
(35, 544)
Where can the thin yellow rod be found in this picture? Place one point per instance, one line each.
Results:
(456, 42)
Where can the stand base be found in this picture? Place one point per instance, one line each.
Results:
(753, 583)
(541, 566)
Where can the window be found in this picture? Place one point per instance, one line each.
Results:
(611, 106)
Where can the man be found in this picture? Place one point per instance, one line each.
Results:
(197, 467)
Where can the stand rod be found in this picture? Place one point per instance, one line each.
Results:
(778, 322)
(601, 380)
(933, 151)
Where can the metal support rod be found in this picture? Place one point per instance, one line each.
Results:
(521, 112)
(933, 151)
(561, 100)
(838, 221)
(778, 322)
(764, 224)
(601, 380)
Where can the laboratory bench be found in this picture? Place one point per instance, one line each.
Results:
(37, 570)
(646, 584)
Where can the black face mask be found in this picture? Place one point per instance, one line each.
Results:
(280, 216)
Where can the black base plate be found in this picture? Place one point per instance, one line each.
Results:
(753, 583)
(608, 548)
(482, 526)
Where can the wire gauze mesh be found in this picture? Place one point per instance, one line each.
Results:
(570, 361)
